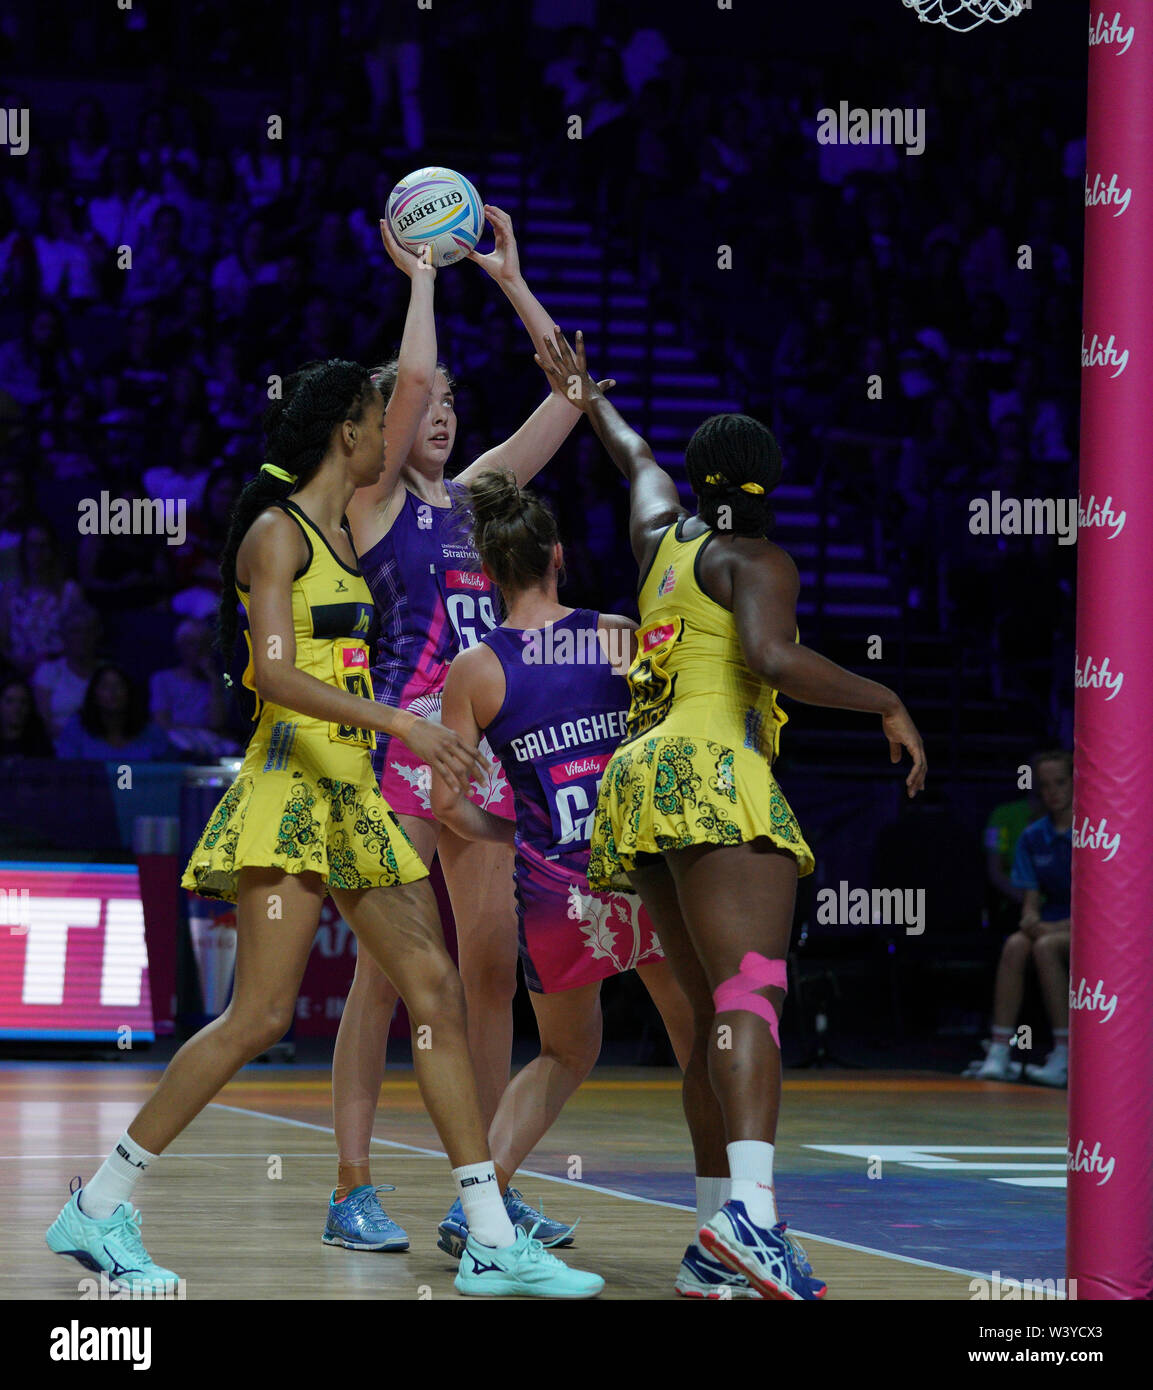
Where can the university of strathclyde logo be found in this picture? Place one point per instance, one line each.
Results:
(668, 582)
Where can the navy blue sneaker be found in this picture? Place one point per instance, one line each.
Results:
(359, 1222)
(452, 1233)
(767, 1258)
(700, 1276)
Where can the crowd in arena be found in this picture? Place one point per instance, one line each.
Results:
(248, 254)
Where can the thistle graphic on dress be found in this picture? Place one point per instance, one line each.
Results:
(419, 779)
(493, 786)
(599, 926)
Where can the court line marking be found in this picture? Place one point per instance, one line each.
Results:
(613, 1192)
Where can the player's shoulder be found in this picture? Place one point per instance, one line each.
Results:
(615, 620)
(273, 531)
(756, 552)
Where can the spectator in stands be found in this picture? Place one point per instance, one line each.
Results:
(1043, 870)
(60, 683)
(39, 363)
(188, 700)
(120, 573)
(88, 143)
(22, 732)
(33, 604)
(160, 263)
(122, 211)
(237, 274)
(68, 252)
(113, 723)
(1003, 829)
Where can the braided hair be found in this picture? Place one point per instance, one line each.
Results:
(317, 398)
(513, 530)
(733, 462)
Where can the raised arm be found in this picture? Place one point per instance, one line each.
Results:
(653, 498)
(450, 805)
(527, 451)
(272, 552)
(416, 371)
(765, 585)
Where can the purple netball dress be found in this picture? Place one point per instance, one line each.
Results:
(432, 601)
(562, 717)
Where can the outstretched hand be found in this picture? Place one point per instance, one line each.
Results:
(411, 262)
(503, 261)
(568, 372)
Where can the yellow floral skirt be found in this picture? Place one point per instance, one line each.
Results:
(344, 831)
(669, 791)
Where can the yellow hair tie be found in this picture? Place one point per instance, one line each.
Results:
(715, 478)
(278, 472)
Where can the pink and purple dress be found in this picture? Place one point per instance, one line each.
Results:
(557, 727)
(433, 602)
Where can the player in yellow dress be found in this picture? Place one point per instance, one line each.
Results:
(690, 814)
(305, 817)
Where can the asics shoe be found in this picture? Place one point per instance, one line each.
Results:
(700, 1276)
(359, 1222)
(112, 1246)
(452, 1233)
(765, 1256)
(525, 1267)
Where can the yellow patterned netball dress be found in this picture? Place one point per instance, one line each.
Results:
(306, 799)
(695, 765)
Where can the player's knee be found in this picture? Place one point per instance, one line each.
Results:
(439, 997)
(578, 1053)
(1046, 947)
(489, 982)
(256, 1031)
(1017, 949)
(740, 993)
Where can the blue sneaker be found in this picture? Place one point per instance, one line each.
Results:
(524, 1267)
(359, 1222)
(452, 1233)
(111, 1246)
(553, 1235)
(766, 1257)
(701, 1276)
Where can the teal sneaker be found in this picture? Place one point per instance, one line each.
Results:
(525, 1267)
(112, 1246)
(359, 1222)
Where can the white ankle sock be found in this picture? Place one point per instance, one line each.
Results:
(712, 1194)
(115, 1179)
(751, 1166)
(483, 1204)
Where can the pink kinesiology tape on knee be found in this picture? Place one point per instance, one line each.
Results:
(756, 972)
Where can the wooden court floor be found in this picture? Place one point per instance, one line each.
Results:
(237, 1205)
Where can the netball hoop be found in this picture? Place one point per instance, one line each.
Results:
(975, 11)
